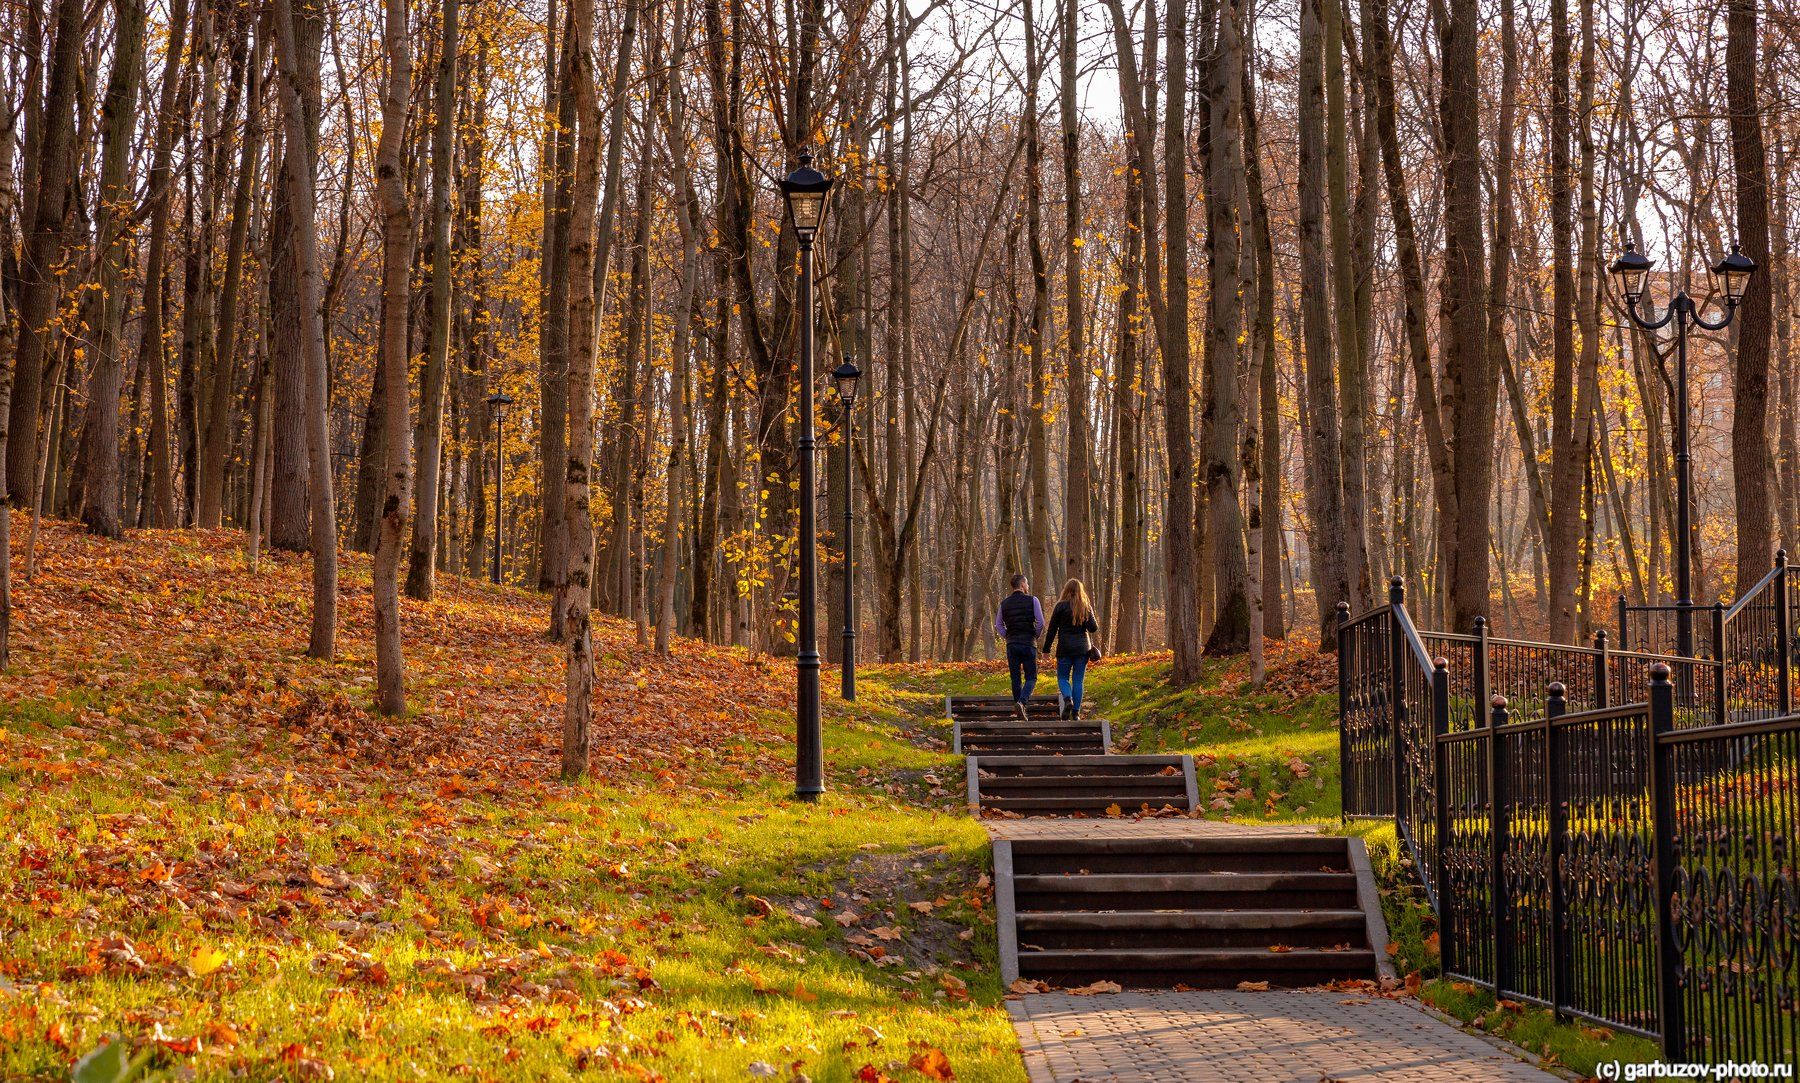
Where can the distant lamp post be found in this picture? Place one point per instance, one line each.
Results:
(499, 400)
(1632, 271)
(806, 191)
(845, 377)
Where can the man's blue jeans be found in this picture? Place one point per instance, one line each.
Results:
(1071, 669)
(1021, 662)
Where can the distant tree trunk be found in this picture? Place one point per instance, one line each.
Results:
(213, 467)
(100, 508)
(428, 438)
(1128, 399)
(1353, 366)
(553, 339)
(1179, 550)
(309, 289)
(1587, 380)
(289, 528)
(47, 180)
(1469, 383)
(1224, 198)
(1268, 422)
(1325, 491)
(1561, 549)
(587, 247)
(1078, 470)
(1037, 452)
(687, 216)
(396, 294)
(1751, 466)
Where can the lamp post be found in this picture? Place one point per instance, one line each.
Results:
(845, 377)
(1632, 270)
(499, 400)
(806, 191)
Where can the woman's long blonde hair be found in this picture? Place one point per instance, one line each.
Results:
(1076, 595)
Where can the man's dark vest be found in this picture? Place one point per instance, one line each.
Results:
(1019, 616)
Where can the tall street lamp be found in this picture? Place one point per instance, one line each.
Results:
(845, 377)
(1632, 271)
(499, 400)
(806, 192)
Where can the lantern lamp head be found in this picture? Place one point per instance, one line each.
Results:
(806, 192)
(1733, 273)
(845, 377)
(500, 400)
(1632, 270)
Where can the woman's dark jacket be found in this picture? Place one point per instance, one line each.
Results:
(1071, 639)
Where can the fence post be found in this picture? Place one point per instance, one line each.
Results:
(1602, 662)
(1784, 633)
(1440, 801)
(1718, 650)
(1662, 819)
(1483, 680)
(1497, 846)
(1397, 648)
(1624, 636)
(1343, 654)
(1555, 786)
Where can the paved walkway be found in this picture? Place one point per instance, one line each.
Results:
(1307, 1036)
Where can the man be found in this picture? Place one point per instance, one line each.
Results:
(1020, 621)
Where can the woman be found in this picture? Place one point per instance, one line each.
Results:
(1071, 626)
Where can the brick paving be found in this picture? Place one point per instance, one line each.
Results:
(1305, 1036)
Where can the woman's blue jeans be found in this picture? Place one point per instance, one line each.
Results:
(1070, 671)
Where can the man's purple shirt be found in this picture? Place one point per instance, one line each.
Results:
(1037, 616)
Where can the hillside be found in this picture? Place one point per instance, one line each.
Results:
(214, 849)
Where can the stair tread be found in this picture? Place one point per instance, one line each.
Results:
(1177, 881)
(1190, 919)
(1199, 958)
(1109, 760)
(1059, 782)
(1178, 844)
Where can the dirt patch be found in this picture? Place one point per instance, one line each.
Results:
(913, 915)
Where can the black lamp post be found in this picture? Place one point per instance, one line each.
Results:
(806, 192)
(845, 377)
(1632, 270)
(499, 400)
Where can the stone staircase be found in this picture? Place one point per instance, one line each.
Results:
(1151, 902)
(1202, 912)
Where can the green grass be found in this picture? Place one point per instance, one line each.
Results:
(216, 852)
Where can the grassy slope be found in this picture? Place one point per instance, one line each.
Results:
(210, 845)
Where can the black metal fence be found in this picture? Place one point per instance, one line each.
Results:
(1629, 862)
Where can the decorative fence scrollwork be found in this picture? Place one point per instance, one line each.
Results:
(1611, 834)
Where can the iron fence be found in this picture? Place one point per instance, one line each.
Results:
(1609, 833)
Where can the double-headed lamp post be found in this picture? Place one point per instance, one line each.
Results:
(806, 191)
(845, 377)
(499, 400)
(1632, 271)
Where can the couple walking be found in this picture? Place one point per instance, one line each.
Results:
(1020, 620)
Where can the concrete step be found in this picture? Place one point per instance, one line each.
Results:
(1061, 785)
(1011, 737)
(1208, 911)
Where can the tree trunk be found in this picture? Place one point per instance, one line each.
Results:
(1751, 466)
(1231, 614)
(1077, 469)
(1183, 614)
(428, 438)
(100, 436)
(1325, 492)
(309, 290)
(396, 293)
(1469, 383)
